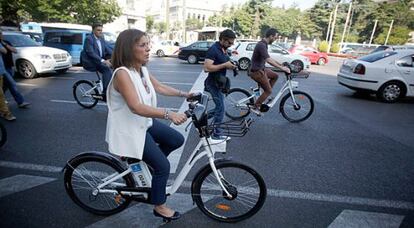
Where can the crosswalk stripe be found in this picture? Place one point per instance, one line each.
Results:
(140, 215)
(405, 205)
(364, 219)
(21, 182)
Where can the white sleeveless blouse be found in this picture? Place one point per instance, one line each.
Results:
(125, 131)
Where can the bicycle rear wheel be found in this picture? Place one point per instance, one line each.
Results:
(299, 111)
(235, 103)
(83, 92)
(82, 179)
(246, 186)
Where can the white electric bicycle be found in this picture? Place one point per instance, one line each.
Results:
(88, 93)
(224, 190)
(295, 106)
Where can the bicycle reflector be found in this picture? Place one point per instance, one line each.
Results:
(223, 207)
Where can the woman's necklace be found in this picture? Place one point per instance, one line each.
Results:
(144, 81)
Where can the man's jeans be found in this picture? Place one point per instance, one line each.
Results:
(10, 83)
(218, 112)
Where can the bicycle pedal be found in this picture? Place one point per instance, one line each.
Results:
(264, 108)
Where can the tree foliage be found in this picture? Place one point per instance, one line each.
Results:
(69, 11)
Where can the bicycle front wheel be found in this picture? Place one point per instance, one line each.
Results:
(298, 110)
(83, 92)
(246, 186)
(82, 178)
(236, 103)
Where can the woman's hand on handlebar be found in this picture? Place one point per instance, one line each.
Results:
(177, 118)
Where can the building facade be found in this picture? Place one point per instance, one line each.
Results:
(133, 16)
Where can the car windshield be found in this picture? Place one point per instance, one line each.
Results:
(377, 56)
(109, 37)
(18, 40)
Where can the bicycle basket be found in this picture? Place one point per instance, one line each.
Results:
(233, 128)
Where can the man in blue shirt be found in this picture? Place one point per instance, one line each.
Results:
(216, 64)
(96, 54)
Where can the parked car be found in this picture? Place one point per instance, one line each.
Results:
(110, 39)
(165, 48)
(38, 37)
(314, 56)
(195, 52)
(32, 59)
(242, 53)
(388, 74)
(392, 48)
(68, 40)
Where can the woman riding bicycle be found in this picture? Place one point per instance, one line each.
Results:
(132, 128)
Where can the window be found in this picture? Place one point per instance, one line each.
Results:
(377, 56)
(202, 45)
(277, 50)
(407, 61)
(250, 47)
(20, 40)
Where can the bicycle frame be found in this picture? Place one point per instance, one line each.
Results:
(206, 147)
(289, 85)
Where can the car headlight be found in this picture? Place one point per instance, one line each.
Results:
(45, 56)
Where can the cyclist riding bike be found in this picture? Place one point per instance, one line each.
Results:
(266, 78)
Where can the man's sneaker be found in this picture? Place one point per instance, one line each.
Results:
(24, 105)
(254, 109)
(9, 117)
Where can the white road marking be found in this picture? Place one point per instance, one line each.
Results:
(364, 219)
(270, 192)
(172, 71)
(19, 183)
(178, 83)
(26, 84)
(175, 156)
(141, 215)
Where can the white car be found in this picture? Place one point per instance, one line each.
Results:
(242, 53)
(32, 59)
(165, 48)
(389, 74)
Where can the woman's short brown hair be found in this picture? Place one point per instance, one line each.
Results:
(123, 54)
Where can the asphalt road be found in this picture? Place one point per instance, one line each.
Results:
(349, 165)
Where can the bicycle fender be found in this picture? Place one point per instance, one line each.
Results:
(96, 154)
(204, 169)
(79, 82)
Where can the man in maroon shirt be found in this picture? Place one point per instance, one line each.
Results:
(266, 78)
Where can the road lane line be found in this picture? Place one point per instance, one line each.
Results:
(175, 156)
(21, 182)
(351, 218)
(173, 71)
(26, 84)
(332, 198)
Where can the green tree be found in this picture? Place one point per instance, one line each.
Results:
(149, 21)
(160, 27)
(75, 11)
(398, 35)
(193, 24)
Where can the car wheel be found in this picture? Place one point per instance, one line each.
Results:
(192, 59)
(26, 69)
(298, 65)
(160, 53)
(321, 61)
(391, 91)
(244, 64)
(62, 71)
